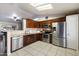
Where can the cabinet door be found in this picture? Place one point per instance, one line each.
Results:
(72, 31)
(24, 40)
(36, 24)
(30, 24)
(39, 37)
(28, 39)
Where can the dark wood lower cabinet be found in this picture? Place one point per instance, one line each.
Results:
(28, 39)
(39, 37)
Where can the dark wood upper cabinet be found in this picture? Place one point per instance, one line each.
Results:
(41, 23)
(32, 24)
(29, 23)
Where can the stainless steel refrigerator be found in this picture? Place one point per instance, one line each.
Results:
(58, 34)
(3, 44)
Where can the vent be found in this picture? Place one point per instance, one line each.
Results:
(46, 17)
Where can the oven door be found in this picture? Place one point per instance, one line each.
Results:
(46, 38)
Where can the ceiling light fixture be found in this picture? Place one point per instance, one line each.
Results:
(15, 17)
(36, 4)
(44, 7)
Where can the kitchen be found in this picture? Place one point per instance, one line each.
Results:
(22, 32)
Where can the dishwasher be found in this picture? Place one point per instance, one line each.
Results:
(17, 42)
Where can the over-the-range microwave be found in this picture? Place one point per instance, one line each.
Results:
(46, 26)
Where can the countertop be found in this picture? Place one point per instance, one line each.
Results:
(14, 33)
(23, 34)
(32, 33)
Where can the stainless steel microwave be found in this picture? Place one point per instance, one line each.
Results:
(45, 26)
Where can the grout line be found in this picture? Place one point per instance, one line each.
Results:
(48, 51)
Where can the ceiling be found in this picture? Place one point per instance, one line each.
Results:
(25, 10)
(58, 9)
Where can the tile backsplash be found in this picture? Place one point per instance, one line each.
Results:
(33, 30)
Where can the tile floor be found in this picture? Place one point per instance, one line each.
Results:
(44, 49)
